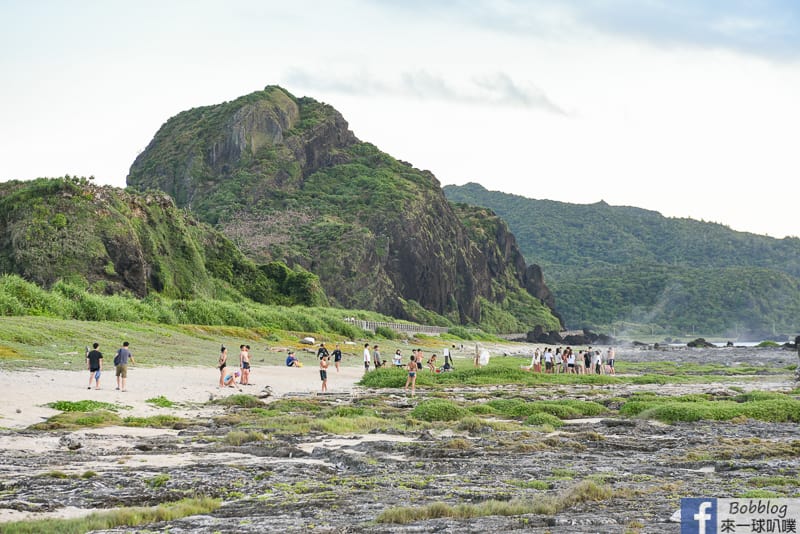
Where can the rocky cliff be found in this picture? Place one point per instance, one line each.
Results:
(286, 180)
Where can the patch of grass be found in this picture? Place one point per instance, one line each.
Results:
(75, 420)
(158, 481)
(561, 409)
(438, 410)
(56, 474)
(584, 491)
(530, 484)
(242, 401)
(349, 425)
(761, 494)
(83, 406)
(296, 406)
(745, 448)
(161, 401)
(763, 406)
(763, 482)
(120, 517)
(458, 444)
(157, 421)
(541, 418)
(239, 437)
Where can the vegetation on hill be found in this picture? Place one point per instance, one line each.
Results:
(286, 180)
(110, 241)
(608, 265)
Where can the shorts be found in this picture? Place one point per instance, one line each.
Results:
(122, 371)
(611, 363)
(548, 365)
(571, 365)
(337, 358)
(412, 374)
(245, 365)
(366, 365)
(323, 374)
(419, 365)
(222, 366)
(94, 370)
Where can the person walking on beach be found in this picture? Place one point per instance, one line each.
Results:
(94, 361)
(412, 374)
(121, 362)
(323, 372)
(337, 357)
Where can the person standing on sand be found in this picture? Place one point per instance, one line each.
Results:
(548, 361)
(610, 360)
(412, 374)
(376, 357)
(94, 361)
(337, 357)
(323, 372)
(244, 364)
(223, 363)
(121, 362)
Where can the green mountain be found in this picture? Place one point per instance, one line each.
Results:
(609, 265)
(113, 241)
(286, 180)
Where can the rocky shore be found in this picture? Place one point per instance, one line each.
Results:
(609, 473)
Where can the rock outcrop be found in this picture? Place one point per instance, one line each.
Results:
(287, 180)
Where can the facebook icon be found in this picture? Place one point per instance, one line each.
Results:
(698, 516)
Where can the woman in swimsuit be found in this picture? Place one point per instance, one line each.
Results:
(223, 362)
(412, 374)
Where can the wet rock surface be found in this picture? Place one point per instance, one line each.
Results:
(332, 483)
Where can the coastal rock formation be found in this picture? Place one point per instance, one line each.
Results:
(286, 180)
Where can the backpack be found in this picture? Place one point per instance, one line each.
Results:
(116, 359)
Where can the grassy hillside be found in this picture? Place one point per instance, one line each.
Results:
(611, 264)
(110, 241)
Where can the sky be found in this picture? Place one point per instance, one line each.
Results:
(686, 107)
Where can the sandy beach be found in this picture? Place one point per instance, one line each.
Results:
(25, 394)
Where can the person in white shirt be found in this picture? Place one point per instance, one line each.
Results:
(548, 361)
(367, 356)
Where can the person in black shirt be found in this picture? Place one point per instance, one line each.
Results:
(337, 357)
(94, 361)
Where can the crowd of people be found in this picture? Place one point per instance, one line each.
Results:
(567, 361)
